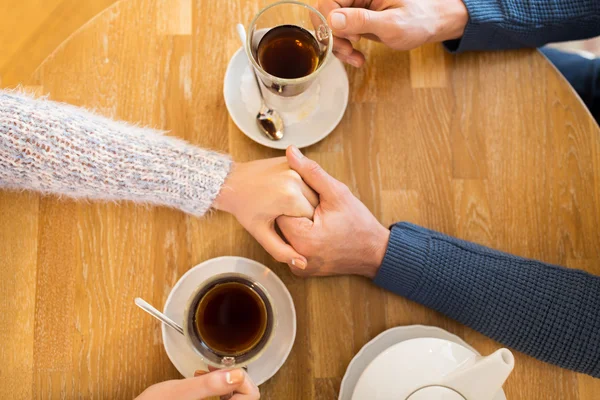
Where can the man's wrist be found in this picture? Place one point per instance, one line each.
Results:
(453, 18)
(380, 240)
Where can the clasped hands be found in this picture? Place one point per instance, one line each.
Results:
(328, 231)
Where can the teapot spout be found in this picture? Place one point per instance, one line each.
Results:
(483, 379)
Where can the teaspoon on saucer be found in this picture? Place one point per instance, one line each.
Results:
(144, 305)
(268, 120)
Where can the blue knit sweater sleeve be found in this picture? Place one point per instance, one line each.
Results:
(511, 24)
(546, 311)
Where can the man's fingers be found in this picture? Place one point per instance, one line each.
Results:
(215, 383)
(327, 6)
(293, 227)
(310, 171)
(342, 46)
(356, 59)
(359, 21)
(371, 36)
(276, 247)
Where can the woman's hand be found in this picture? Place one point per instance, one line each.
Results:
(216, 383)
(258, 192)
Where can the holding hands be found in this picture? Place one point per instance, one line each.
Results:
(329, 231)
(258, 192)
(399, 24)
(343, 237)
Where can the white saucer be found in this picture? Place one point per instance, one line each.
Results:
(180, 352)
(333, 89)
(389, 338)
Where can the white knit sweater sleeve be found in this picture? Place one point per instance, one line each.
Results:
(59, 149)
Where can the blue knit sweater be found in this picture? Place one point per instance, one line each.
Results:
(549, 312)
(511, 24)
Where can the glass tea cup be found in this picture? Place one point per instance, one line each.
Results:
(302, 18)
(214, 355)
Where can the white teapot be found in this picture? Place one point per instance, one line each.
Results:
(434, 369)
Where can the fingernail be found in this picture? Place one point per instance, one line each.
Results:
(297, 152)
(234, 376)
(299, 263)
(338, 20)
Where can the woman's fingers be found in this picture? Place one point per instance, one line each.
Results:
(276, 246)
(217, 383)
(247, 391)
(302, 206)
(310, 195)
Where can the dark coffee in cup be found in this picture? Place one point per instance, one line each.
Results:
(289, 52)
(229, 317)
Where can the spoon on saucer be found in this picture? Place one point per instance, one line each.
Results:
(144, 305)
(150, 309)
(267, 119)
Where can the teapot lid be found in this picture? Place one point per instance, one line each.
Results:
(435, 393)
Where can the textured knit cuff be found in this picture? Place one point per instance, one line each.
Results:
(405, 259)
(208, 172)
(481, 31)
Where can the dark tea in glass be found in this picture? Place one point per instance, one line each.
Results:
(288, 52)
(231, 318)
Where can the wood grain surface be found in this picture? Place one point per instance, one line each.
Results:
(490, 147)
(31, 29)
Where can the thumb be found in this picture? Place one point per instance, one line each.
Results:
(311, 172)
(275, 246)
(358, 21)
(216, 383)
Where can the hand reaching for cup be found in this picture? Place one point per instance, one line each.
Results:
(343, 237)
(258, 192)
(216, 383)
(399, 24)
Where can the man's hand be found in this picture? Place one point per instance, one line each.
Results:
(344, 237)
(203, 385)
(400, 24)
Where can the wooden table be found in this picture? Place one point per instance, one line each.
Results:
(494, 148)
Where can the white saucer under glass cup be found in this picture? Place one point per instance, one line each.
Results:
(288, 44)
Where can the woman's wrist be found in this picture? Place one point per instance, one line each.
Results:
(453, 19)
(225, 200)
